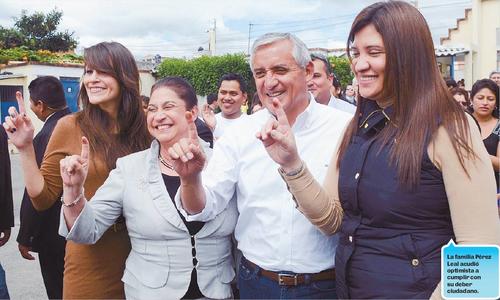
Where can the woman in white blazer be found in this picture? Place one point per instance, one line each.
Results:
(170, 258)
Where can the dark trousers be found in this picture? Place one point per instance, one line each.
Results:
(52, 266)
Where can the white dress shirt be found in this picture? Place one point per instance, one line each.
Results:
(270, 231)
(342, 105)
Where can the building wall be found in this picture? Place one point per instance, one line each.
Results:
(147, 81)
(489, 21)
(478, 34)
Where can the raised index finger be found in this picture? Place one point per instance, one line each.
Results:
(192, 132)
(85, 149)
(20, 102)
(280, 113)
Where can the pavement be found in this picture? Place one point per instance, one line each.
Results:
(24, 279)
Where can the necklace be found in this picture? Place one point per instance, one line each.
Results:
(165, 163)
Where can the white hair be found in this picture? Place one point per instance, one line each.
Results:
(300, 52)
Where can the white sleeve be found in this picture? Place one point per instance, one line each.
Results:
(219, 180)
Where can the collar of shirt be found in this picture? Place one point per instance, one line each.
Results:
(373, 118)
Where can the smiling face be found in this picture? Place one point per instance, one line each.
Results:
(102, 89)
(484, 103)
(166, 116)
(277, 75)
(368, 62)
(231, 98)
(320, 83)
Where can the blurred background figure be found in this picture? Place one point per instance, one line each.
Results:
(462, 97)
(256, 104)
(451, 83)
(350, 94)
(484, 96)
(145, 103)
(495, 76)
(212, 103)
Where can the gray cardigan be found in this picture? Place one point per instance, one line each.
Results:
(160, 263)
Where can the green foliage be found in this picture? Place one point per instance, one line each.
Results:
(25, 54)
(204, 72)
(342, 68)
(38, 32)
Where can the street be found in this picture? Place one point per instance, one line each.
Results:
(24, 279)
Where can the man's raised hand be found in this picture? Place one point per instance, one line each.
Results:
(278, 139)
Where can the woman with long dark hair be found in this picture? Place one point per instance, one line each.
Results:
(411, 172)
(484, 95)
(114, 123)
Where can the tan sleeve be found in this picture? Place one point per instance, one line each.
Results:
(320, 204)
(61, 144)
(472, 198)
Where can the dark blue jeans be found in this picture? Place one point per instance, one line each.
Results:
(4, 293)
(254, 286)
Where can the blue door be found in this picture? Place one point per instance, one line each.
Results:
(71, 87)
(8, 98)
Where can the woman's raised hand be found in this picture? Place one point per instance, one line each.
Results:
(18, 125)
(209, 117)
(187, 156)
(74, 171)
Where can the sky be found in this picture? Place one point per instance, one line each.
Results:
(178, 28)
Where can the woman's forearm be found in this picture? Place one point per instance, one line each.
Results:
(33, 179)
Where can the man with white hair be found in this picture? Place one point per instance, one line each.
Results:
(284, 255)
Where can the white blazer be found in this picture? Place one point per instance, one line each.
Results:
(160, 263)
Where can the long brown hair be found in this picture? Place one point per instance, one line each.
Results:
(110, 139)
(412, 80)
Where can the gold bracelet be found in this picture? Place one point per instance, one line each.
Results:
(80, 197)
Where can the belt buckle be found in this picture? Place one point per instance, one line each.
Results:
(281, 277)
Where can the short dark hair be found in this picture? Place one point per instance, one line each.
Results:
(324, 59)
(236, 77)
(451, 83)
(486, 84)
(211, 98)
(49, 90)
(181, 87)
(144, 99)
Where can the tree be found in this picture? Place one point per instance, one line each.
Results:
(38, 31)
(342, 68)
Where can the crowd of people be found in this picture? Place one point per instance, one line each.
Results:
(315, 193)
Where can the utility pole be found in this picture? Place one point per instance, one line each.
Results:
(249, 32)
(212, 38)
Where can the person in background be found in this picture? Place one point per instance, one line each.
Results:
(394, 218)
(6, 206)
(451, 83)
(38, 231)
(170, 257)
(495, 76)
(212, 102)
(484, 95)
(462, 97)
(350, 94)
(256, 104)
(461, 83)
(321, 84)
(145, 102)
(232, 95)
(114, 124)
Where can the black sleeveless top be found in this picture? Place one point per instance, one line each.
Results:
(491, 144)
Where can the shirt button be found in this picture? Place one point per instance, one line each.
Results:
(350, 238)
(356, 176)
(414, 262)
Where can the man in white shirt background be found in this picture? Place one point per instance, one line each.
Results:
(231, 96)
(321, 84)
(285, 256)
